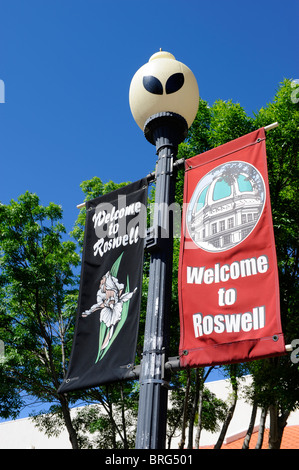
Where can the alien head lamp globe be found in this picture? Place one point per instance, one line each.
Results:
(163, 85)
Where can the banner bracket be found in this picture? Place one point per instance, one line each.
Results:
(271, 126)
(154, 351)
(151, 176)
(171, 365)
(164, 383)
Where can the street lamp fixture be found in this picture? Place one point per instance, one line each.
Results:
(163, 84)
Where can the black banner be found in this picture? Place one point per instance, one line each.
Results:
(110, 289)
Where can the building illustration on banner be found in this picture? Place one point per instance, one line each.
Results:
(226, 206)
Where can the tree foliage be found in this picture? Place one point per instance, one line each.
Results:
(38, 286)
(276, 380)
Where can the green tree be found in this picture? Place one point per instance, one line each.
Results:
(275, 381)
(235, 373)
(38, 288)
(192, 404)
(11, 402)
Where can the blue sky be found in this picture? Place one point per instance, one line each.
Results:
(67, 67)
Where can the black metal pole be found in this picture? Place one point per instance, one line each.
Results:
(166, 131)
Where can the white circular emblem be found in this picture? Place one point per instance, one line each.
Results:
(226, 206)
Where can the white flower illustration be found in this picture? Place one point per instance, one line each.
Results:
(110, 301)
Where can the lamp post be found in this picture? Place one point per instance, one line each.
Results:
(164, 101)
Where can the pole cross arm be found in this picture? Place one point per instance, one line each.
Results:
(172, 365)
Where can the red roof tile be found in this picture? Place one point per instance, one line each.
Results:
(290, 440)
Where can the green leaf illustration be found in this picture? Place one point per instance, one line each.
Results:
(124, 315)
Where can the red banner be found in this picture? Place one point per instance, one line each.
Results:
(228, 279)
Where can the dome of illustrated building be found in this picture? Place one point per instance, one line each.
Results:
(226, 209)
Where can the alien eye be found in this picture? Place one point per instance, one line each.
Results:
(174, 83)
(153, 85)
